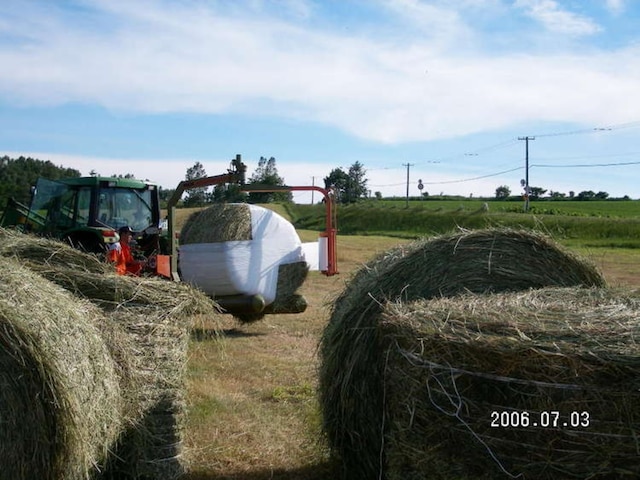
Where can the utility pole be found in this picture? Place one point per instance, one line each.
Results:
(407, 165)
(527, 190)
(313, 182)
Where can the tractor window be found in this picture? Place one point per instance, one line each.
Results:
(84, 205)
(47, 204)
(58, 207)
(46, 194)
(64, 218)
(123, 206)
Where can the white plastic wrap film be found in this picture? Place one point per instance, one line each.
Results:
(266, 223)
(244, 267)
(219, 268)
(311, 252)
(323, 253)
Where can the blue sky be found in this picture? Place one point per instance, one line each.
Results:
(152, 86)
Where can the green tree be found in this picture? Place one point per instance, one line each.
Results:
(502, 192)
(557, 195)
(196, 197)
(18, 175)
(586, 195)
(537, 192)
(357, 184)
(223, 193)
(349, 186)
(267, 174)
(165, 194)
(338, 180)
(602, 195)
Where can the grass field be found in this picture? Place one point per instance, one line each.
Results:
(252, 392)
(253, 413)
(618, 226)
(595, 208)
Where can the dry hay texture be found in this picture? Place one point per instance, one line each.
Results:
(221, 223)
(34, 251)
(61, 405)
(351, 366)
(143, 324)
(151, 448)
(452, 365)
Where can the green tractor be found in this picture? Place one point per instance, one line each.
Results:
(87, 211)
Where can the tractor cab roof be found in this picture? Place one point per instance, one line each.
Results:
(113, 182)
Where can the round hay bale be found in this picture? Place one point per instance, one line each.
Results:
(60, 397)
(239, 249)
(32, 250)
(350, 383)
(223, 222)
(538, 385)
(111, 291)
(152, 447)
(145, 324)
(157, 316)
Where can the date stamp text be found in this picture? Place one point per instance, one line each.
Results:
(544, 419)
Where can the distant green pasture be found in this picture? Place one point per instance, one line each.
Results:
(598, 208)
(612, 224)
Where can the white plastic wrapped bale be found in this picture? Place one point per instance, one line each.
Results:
(238, 249)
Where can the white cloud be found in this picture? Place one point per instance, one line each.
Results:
(441, 24)
(164, 57)
(616, 7)
(554, 18)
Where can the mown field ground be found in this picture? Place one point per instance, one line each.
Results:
(252, 391)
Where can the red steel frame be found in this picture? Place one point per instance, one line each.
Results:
(331, 229)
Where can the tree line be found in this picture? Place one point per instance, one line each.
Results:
(503, 192)
(265, 174)
(349, 186)
(19, 175)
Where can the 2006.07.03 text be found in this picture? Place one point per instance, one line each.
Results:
(544, 419)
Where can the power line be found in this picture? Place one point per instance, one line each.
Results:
(495, 174)
(389, 185)
(592, 130)
(539, 165)
(511, 142)
(585, 165)
(474, 178)
(474, 153)
(620, 126)
(572, 132)
(608, 155)
(491, 147)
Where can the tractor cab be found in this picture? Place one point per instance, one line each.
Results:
(87, 211)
